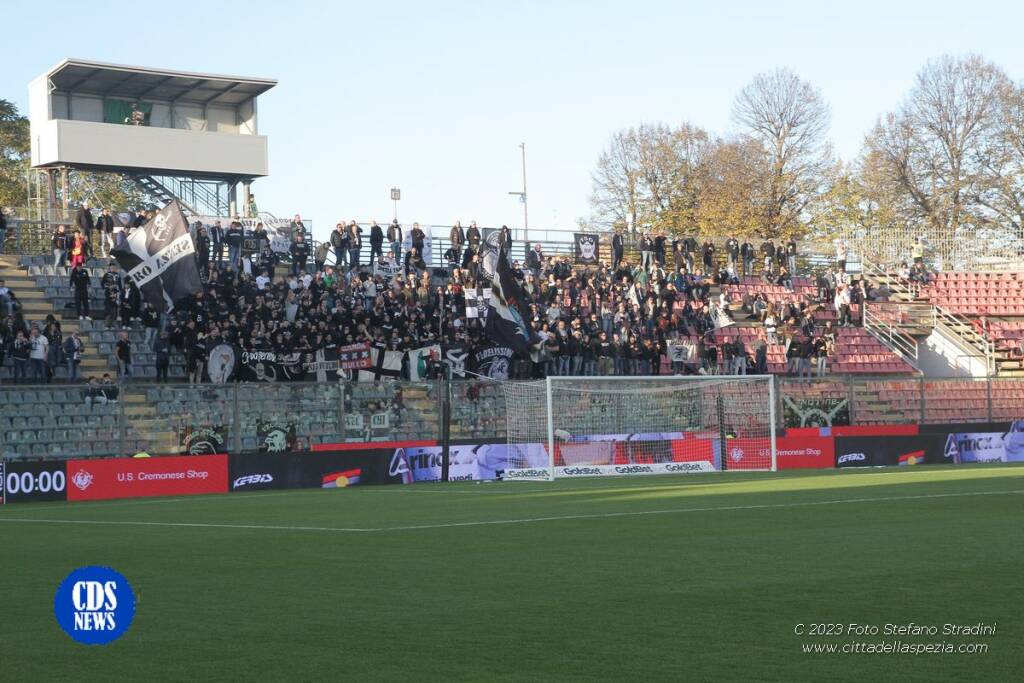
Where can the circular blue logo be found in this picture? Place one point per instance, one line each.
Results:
(94, 605)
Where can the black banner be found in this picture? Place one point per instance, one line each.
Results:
(159, 259)
(275, 436)
(506, 321)
(270, 366)
(587, 248)
(493, 362)
(816, 412)
(208, 440)
(36, 481)
(881, 451)
(319, 469)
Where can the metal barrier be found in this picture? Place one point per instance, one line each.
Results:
(64, 421)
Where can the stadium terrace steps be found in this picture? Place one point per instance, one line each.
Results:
(36, 306)
(994, 302)
(858, 353)
(46, 290)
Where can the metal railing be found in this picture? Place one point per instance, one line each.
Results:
(883, 321)
(38, 421)
(961, 328)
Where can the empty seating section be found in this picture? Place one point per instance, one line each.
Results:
(1008, 337)
(955, 401)
(151, 418)
(478, 411)
(991, 294)
(56, 423)
(857, 352)
(886, 402)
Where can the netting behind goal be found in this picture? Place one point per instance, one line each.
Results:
(596, 426)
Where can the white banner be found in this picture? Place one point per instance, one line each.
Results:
(577, 471)
(162, 260)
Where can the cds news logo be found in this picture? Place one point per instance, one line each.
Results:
(94, 605)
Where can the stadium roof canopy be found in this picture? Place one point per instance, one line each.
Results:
(158, 85)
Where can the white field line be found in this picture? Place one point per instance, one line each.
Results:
(524, 520)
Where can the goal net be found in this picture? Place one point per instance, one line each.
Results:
(606, 426)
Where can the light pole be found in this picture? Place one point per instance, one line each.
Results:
(522, 197)
(396, 194)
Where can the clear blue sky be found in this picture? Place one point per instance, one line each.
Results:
(435, 97)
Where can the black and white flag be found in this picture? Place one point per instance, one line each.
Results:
(477, 301)
(587, 248)
(159, 258)
(386, 365)
(489, 248)
(506, 321)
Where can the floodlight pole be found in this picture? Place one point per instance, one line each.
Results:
(522, 197)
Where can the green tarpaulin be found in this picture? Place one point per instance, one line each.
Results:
(120, 111)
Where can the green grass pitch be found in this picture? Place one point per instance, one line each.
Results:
(701, 577)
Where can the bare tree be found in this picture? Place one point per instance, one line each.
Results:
(932, 148)
(1002, 162)
(649, 177)
(616, 196)
(789, 119)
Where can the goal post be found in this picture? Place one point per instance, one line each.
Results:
(566, 427)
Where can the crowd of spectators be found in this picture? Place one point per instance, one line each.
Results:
(618, 317)
(591, 320)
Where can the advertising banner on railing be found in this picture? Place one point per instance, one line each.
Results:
(879, 451)
(983, 443)
(321, 469)
(144, 477)
(805, 452)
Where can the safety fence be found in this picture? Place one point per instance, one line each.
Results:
(65, 421)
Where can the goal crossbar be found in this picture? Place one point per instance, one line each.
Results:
(627, 425)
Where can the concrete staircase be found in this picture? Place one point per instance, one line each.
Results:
(35, 308)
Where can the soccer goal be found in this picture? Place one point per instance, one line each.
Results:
(609, 426)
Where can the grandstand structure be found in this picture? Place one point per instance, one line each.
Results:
(179, 135)
(945, 350)
(960, 322)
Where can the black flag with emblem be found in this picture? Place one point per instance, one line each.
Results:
(586, 248)
(506, 321)
(159, 258)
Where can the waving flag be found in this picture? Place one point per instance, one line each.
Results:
(159, 258)
(506, 320)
